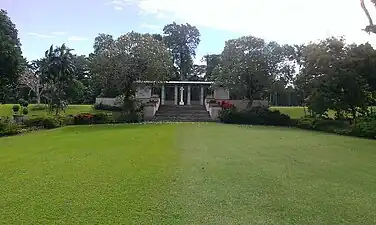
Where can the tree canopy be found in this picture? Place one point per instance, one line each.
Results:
(182, 41)
(11, 61)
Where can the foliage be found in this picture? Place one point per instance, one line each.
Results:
(7, 127)
(335, 77)
(226, 105)
(249, 65)
(25, 111)
(32, 78)
(58, 68)
(46, 122)
(182, 41)
(212, 61)
(132, 57)
(255, 116)
(11, 60)
(89, 118)
(365, 127)
(16, 108)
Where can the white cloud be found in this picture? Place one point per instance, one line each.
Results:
(59, 33)
(76, 38)
(118, 4)
(288, 21)
(40, 35)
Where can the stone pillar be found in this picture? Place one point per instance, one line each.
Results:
(189, 95)
(163, 95)
(176, 95)
(202, 95)
(181, 96)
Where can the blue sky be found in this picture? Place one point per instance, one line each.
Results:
(77, 22)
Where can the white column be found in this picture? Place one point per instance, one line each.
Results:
(189, 95)
(163, 95)
(202, 95)
(176, 95)
(181, 96)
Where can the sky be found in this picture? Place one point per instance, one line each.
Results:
(77, 22)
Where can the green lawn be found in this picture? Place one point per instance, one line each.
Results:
(6, 110)
(295, 112)
(186, 174)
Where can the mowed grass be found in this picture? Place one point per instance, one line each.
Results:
(6, 110)
(188, 173)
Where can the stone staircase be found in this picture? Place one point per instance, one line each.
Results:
(174, 113)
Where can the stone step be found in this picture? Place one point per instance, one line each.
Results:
(182, 114)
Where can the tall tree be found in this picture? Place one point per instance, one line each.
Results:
(333, 74)
(11, 61)
(32, 78)
(212, 61)
(130, 58)
(182, 40)
(249, 65)
(58, 68)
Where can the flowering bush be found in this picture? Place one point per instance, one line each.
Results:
(89, 118)
(226, 105)
(83, 118)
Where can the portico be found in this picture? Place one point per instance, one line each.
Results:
(176, 92)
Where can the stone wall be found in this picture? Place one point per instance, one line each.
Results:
(143, 92)
(105, 101)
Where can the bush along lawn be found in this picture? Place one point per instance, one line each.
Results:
(10, 127)
(103, 114)
(364, 126)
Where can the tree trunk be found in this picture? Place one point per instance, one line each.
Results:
(37, 93)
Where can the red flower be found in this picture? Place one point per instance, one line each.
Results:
(226, 105)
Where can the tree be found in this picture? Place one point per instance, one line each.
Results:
(197, 73)
(249, 65)
(81, 88)
(11, 61)
(132, 57)
(58, 68)
(182, 41)
(334, 78)
(32, 78)
(370, 28)
(212, 61)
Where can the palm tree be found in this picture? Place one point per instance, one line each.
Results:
(59, 69)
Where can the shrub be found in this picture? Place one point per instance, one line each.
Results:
(16, 108)
(7, 127)
(25, 111)
(83, 118)
(341, 127)
(25, 104)
(21, 101)
(101, 106)
(306, 123)
(100, 118)
(47, 122)
(89, 118)
(226, 105)
(365, 129)
(255, 116)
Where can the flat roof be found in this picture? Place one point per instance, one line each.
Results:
(178, 82)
